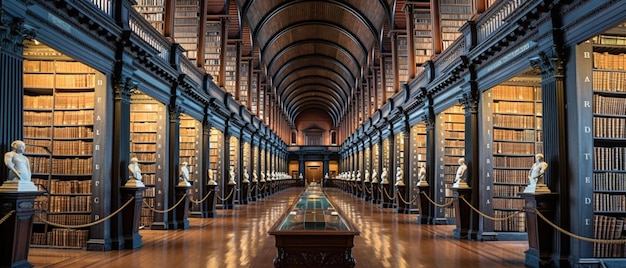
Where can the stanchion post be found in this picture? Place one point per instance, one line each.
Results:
(424, 205)
(16, 230)
(131, 216)
(462, 212)
(182, 211)
(540, 233)
(211, 200)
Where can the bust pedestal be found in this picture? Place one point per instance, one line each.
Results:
(424, 205)
(131, 216)
(375, 193)
(245, 192)
(181, 213)
(254, 190)
(401, 197)
(462, 212)
(230, 195)
(211, 199)
(540, 233)
(16, 230)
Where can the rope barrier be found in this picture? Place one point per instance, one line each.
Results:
(404, 201)
(594, 240)
(490, 217)
(368, 190)
(224, 199)
(387, 194)
(7, 216)
(435, 203)
(167, 210)
(201, 200)
(87, 224)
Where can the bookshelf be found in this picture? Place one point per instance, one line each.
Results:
(399, 154)
(402, 57)
(190, 131)
(153, 11)
(147, 136)
(216, 139)
(59, 112)
(422, 36)
(243, 82)
(453, 14)
(186, 27)
(451, 137)
(231, 74)
(608, 69)
(418, 158)
(390, 76)
(213, 48)
(514, 114)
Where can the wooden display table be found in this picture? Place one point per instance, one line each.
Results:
(313, 233)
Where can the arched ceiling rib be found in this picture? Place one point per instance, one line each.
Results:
(314, 51)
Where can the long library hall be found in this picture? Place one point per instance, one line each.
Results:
(243, 133)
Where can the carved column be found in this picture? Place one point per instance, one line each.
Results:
(203, 210)
(427, 209)
(551, 63)
(469, 99)
(12, 34)
(100, 238)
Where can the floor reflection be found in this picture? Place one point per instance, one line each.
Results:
(238, 238)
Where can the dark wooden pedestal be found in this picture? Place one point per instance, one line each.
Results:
(402, 206)
(254, 190)
(211, 200)
(131, 215)
(16, 230)
(245, 192)
(230, 194)
(540, 233)
(462, 212)
(424, 206)
(182, 211)
(375, 193)
(387, 196)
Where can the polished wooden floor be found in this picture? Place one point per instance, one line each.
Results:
(238, 238)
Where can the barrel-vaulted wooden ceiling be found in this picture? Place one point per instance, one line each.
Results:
(314, 52)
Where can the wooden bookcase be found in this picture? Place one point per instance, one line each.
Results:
(153, 11)
(244, 68)
(230, 81)
(422, 36)
(59, 112)
(513, 113)
(418, 158)
(213, 48)
(454, 13)
(186, 27)
(147, 136)
(190, 131)
(451, 140)
(608, 72)
(216, 144)
(402, 58)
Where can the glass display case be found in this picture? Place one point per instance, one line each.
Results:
(314, 227)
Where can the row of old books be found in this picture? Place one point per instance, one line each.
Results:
(513, 224)
(507, 190)
(609, 181)
(609, 61)
(609, 127)
(68, 238)
(609, 105)
(609, 158)
(609, 228)
(513, 161)
(70, 187)
(70, 203)
(515, 176)
(609, 202)
(516, 121)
